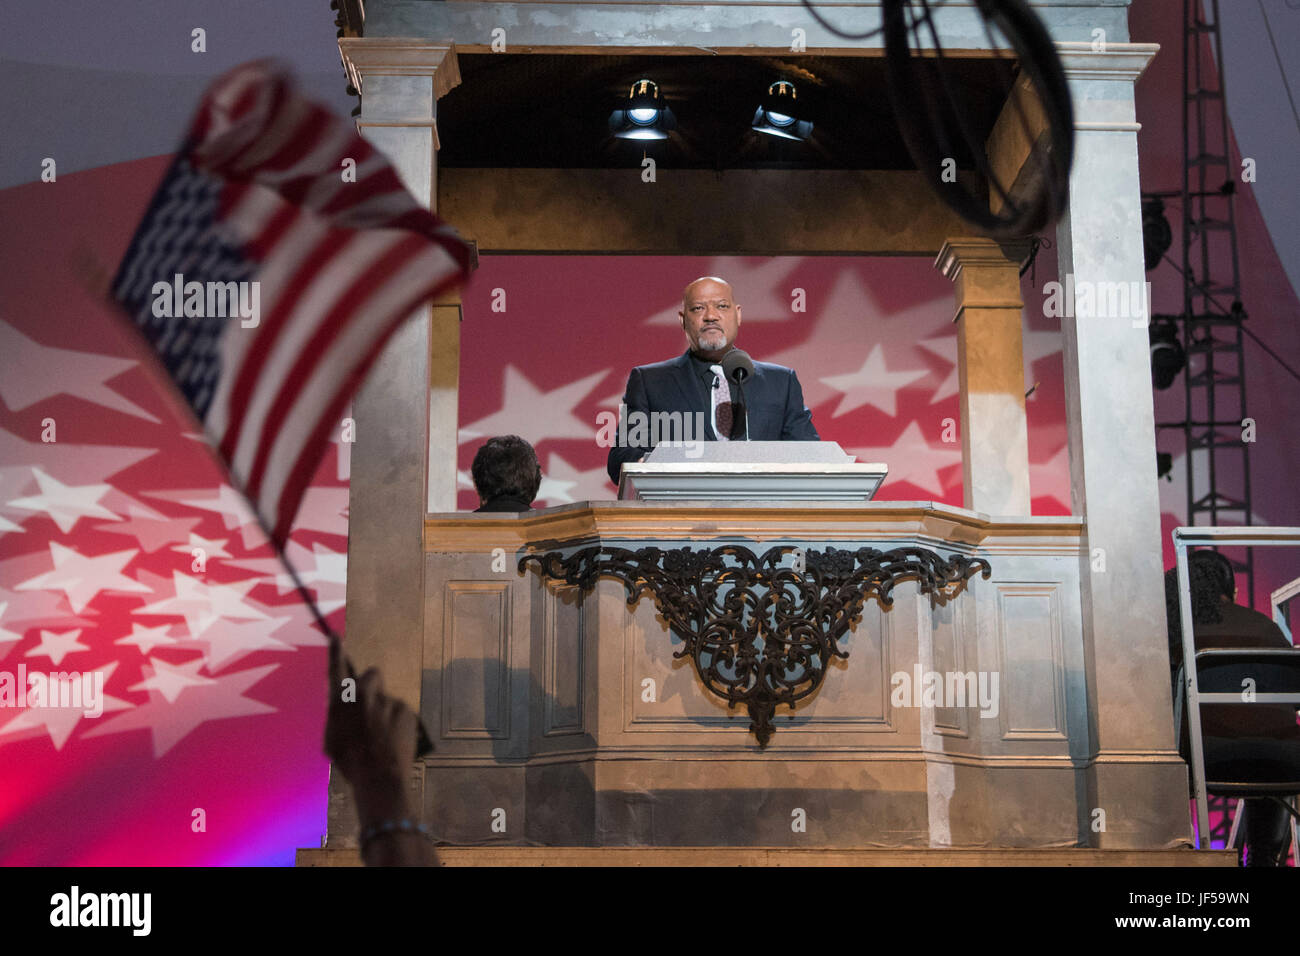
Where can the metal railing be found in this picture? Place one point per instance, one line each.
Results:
(1184, 538)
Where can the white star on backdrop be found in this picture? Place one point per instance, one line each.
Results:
(611, 402)
(945, 347)
(1035, 344)
(913, 459)
(65, 504)
(236, 513)
(328, 567)
(170, 679)
(60, 722)
(762, 287)
(872, 384)
(560, 479)
(1051, 478)
(322, 509)
(57, 646)
(836, 345)
(170, 722)
(230, 504)
(233, 641)
(33, 608)
(535, 415)
(151, 529)
(202, 604)
(68, 462)
(554, 490)
(81, 577)
(145, 639)
(29, 379)
(211, 549)
(322, 567)
(292, 623)
(300, 626)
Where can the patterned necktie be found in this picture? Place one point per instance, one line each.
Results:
(722, 411)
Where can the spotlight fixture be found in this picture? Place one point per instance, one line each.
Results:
(1157, 236)
(1164, 465)
(779, 114)
(1167, 355)
(644, 115)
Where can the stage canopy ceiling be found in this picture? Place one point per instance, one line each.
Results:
(552, 111)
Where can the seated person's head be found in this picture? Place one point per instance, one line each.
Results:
(506, 466)
(1212, 582)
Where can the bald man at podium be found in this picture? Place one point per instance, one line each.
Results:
(699, 384)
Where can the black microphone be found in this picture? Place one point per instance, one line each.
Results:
(738, 366)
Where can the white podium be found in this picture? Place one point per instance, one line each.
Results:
(751, 471)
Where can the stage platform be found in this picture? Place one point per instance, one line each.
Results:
(788, 856)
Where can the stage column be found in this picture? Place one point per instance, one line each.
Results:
(409, 399)
(1134, 783)
(994, 434)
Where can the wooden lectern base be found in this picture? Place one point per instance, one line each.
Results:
(563, 717)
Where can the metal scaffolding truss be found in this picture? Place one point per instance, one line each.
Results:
(1216, 454)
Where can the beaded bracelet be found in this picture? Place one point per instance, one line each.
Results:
(394, 826)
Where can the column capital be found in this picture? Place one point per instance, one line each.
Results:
(401, 56)
(1115, 68)
(985, 271)
(1105, 61)
(962, 252)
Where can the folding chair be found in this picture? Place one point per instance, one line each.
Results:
(1240, 767)
(1245, 766)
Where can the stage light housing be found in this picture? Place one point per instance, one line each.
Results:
(1167, 355)
(1164, 466)
(779, 113)
(1157, 235)
(644, 115)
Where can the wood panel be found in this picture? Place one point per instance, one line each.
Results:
(1032, 671)
(476, 660)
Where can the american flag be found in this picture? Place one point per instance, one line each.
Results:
(276, 206)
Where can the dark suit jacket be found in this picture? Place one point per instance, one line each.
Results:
(504, 503)
(773, 395)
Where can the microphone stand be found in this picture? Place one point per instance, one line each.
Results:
(740, 391)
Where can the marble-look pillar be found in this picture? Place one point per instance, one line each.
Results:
(994, 434)
(1132, 774)
(406, 411)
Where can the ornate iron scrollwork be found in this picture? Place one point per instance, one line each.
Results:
(759, 632)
